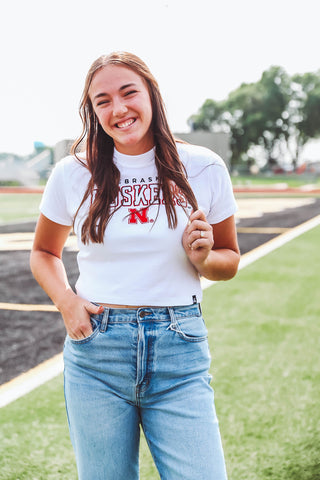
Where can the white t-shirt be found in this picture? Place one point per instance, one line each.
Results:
(142, 261)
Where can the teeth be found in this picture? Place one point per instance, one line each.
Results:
(125, 124)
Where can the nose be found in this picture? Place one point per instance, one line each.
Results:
(119, 108)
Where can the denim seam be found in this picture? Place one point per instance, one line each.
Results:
(190, 339)
(176, 327)
(89, 339)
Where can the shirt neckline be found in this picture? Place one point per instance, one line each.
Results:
(134, 161)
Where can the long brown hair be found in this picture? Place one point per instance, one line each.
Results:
(105, 176)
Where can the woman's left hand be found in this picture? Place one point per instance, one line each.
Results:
(197, 238)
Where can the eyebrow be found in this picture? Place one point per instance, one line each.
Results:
(104, 94)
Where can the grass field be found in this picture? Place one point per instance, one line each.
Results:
(19, 206)
(264, 330)
(291, 180)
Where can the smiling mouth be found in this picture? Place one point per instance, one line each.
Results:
(125, 124)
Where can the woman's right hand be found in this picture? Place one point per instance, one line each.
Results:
(76, 313)
(48, 269)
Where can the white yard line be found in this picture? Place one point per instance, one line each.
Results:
(28, 381)
(278, 242)
(273, 244)
(49, 369)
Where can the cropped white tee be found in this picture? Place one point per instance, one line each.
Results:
(142, 261)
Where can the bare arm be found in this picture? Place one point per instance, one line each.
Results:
(49, 271)
(216, 254)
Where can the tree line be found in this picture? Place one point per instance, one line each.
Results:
(276, 116)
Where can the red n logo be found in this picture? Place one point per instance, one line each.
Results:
(136, 215)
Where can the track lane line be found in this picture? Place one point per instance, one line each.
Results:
(263, 230)
(25, 307)
(28, 381)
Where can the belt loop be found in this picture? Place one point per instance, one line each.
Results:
(172, 316)
(104, 322)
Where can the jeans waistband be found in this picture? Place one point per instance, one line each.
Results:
(139, 314)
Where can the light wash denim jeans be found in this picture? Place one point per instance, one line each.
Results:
(148, 367)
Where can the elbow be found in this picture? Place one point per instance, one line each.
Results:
(235, 266)
(33, 261)
(232, 269)
(231, 274)
(221, 265)
(40, 258)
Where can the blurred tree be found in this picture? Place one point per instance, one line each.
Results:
(275, 84)
(277, 113)
(207, 116)
(306, 118)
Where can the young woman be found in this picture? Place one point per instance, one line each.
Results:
(151, 216)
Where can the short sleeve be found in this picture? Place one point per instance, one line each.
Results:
(54, 202)
(223, 204)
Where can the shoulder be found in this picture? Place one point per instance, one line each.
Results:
(71, 167)
(195, 157)
(70, 162)
(68, 175)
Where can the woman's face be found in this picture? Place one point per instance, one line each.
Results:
(121, 101)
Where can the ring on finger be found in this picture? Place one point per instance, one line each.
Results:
(201, 233)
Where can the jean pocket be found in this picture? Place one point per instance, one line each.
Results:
(191, 329)
(95, 330)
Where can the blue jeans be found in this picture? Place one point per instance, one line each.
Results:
(148, 367)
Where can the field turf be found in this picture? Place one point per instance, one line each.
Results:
(17, 207)
(264, 330)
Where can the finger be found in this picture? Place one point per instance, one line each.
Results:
(204, 231)
(78, 334)
(85, 329)
(195, 235)
(200, 239)
(197, 215)
(93, 309)
(86, 332)
(196, 246)
(201, 244)
(199, 225)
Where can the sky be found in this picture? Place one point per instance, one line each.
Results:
(196, 49)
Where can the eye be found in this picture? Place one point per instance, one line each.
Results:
(103, 102)
(130, 92)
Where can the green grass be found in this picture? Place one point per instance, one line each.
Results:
(19, 206)
(290, 179)
(34, 441)
(264, 330)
